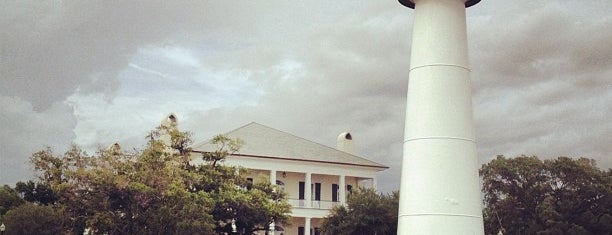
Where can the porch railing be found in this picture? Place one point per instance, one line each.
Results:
(301, 203)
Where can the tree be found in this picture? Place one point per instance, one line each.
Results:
(36, 192)
(145, 192)
(366, 213)
(525, 195)
(9, 199)
(30, 218)
(252, 206)
(156, 190)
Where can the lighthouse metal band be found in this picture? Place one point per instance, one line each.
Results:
(440, 191)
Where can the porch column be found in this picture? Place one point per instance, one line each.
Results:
(307, 225)
(374, 184)
(273, 177)
(342, 189)
(308, 190)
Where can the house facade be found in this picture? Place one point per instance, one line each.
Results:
(314, 176)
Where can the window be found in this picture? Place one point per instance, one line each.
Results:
(280, 184)
(301, 190)
(249, 183)
(301, 231)
(317, 191)
(335, 192)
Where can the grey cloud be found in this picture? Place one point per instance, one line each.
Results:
(540, 71)
(25, 131)
(50, 49)
(542, 43)
(354, 77)
(541, 80)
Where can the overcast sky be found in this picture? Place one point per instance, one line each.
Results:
(96, 72)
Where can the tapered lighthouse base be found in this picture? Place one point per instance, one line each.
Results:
(440, 191)
(437, 196)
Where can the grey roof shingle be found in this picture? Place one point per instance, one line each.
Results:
(264, 141)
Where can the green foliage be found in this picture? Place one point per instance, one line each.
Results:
(358, 216)
(525, 195)
(226, 145)
(252, 206)
(153, 191)
(30, 218)
(36, 192)
(9, 199)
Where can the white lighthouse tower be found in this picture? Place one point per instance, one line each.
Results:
(440, 192)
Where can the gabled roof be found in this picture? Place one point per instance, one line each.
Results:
(266, 142)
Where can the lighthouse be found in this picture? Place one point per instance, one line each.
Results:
(439, 190)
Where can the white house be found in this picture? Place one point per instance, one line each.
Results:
(293, 163)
